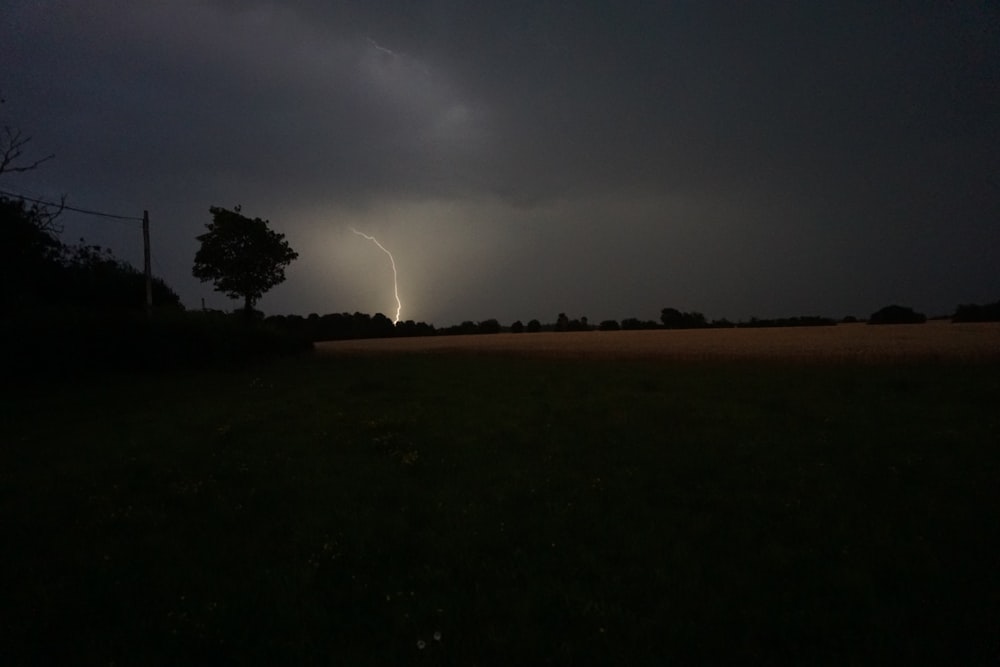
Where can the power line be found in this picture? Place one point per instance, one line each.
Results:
(64, 207)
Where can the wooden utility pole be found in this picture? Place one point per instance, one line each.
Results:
(149, 270)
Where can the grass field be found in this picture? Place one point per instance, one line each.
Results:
(480, 509)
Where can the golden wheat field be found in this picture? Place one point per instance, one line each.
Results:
(938, 339)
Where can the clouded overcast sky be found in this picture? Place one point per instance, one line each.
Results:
(521, 159)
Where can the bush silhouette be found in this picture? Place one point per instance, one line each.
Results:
(977, 313)
(897, 315)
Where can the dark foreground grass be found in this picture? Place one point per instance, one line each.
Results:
(488, 511)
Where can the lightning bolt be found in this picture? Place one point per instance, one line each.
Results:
(398, 56)
(379, 47)
(395, 277)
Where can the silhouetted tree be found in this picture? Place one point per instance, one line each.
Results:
(243, 257)
(411, 328)
(897, 315)
(675, 319)
(517, 327)
(490, 326)
(671, 318)
(361, 325)
(465, 328)
(977, 313)
(382, 326)
(534, 326)
(608, 325)
(562, 322)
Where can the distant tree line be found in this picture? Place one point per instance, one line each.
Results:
(800, 321)
(673, 318)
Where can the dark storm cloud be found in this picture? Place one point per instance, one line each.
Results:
(740, 158)
(250, 93)
(693, 94)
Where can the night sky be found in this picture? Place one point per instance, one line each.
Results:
(523, 159)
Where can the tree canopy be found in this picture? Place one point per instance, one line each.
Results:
(243, 257)
(675, 319)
